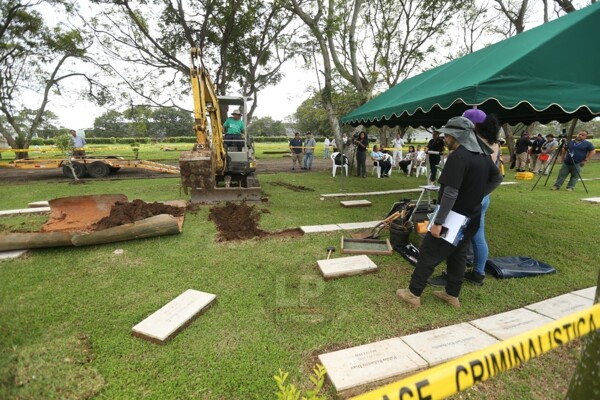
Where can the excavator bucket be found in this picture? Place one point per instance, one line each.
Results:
(198, 176)
(197, 169)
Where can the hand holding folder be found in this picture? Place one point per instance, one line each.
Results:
(453, 228)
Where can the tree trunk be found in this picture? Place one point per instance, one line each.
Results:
(158, 225)
(510, 141)
(585, 383)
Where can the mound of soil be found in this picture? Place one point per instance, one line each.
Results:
(127, 212)
(240, 222)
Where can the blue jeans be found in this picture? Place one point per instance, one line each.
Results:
(480, 247)
(565, 170)
(308, 159)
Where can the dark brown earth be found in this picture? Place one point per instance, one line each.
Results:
(128, 212)
(240, 222)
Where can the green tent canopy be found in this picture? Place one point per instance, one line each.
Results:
(548, 73)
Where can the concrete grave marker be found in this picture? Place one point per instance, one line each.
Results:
(558, 307)
(369, 363)
(320, 228)
(25, 211)
(356, 203)
(36, 204)
(588, 293)
(11, 254)
(165, 323)
(358, 225)
(443, 344)
(595, 200)
(511, 323)
(346, 266)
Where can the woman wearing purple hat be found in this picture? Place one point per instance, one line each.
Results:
(487, 128)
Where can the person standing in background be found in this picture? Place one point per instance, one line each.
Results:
(579, 151)
(309, 151)
(326, 144)
(398, 143)
(362, 144)
(536, 150)
(548, 149)
(522, 152)
(296, 150)
(435, 145)
(78, 143)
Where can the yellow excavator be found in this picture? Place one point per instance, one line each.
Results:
(217, 170)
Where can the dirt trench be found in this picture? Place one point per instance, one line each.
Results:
(240, 222)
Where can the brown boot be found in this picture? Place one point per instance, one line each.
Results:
(453, 301)
(407, 296)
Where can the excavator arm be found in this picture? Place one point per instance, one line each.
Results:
(206, 110)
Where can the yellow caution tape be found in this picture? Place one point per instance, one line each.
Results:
(455, 376)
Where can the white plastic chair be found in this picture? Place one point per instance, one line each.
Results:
(420, 168)
(336, 166)
(377, 168)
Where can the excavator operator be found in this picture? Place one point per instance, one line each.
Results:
(234, 128)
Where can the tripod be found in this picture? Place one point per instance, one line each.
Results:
(563, 145)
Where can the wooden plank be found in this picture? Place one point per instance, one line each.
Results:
(175, 316)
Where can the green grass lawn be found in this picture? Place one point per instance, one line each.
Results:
(66, 313)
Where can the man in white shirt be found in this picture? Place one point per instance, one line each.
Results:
(326, 143)
(398, 142)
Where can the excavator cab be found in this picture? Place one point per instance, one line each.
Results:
(240, 152)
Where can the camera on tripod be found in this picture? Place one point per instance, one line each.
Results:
(563, 134)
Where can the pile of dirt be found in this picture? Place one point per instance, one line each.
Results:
(123, 213)
(240, 222)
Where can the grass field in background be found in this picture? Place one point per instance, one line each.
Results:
(67, 313)
(169, 152)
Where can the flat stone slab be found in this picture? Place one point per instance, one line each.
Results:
(592, 200)
(447, 343)
(506, 325)
(358, 225)
(356, 203)
(369, 363)
(561, 306)
(320, 228)
(346, 266)
(165, 323)
(11, 254)
(36, 204)
(25, 211)
(589, 293)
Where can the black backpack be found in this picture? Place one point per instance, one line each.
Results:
(340, 159)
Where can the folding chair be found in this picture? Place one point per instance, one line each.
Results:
(336, 166)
